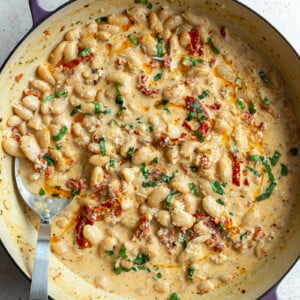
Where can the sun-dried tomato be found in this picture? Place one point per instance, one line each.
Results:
(195, 46)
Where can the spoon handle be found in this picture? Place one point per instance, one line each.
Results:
(39, 283)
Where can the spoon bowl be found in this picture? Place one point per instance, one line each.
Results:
(46, 208)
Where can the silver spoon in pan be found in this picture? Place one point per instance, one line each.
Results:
(46, 208)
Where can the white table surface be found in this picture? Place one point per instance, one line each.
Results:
(15, 21)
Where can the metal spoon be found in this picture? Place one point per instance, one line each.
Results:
(46, 208)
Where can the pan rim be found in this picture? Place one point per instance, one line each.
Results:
(51, 13)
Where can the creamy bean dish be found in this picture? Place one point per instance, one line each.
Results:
(178, 143)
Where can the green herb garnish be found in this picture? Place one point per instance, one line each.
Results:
(255, 158)
(75, 192)
(145, 171)
(58, 147)
(98, 109)
(221, 227)
(146, 2)
(253, 171)
(141, 259)
(85, 52)
(193, 187)
(199, 135)
(240, 103)
(109, 252)
(166, 109)
(150, 183)
(42, 192)
(191, 271)
(155, 160)
(169, 198)
(101, 19)
(202, 96)
(265, 78)
(122, 251)
(159, 46)
(284, 170)
(252, 109)
(212, 46)
(130, 153)
(194, 61)
(267, 101)
(111, 163)
(174, 296)
(294, 151)
(268, 192)
(102, 146)
(62, 132)
(157, 76)
(220, 201)
(274, 159)
(132, 39)
(191, 116)
(243, 235)
(49, 159)
(216, 186)
(75, 110)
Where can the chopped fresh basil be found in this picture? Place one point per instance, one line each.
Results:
(174, 296)
(234, 147)
(75, 110)
(194, 61)
(191, 116)
(243, 235)
(112, 163)
(193, 187)
(85, 52)
(62, 132)
(267, 101)
(157, 76)
(169, 198)
(145, 171)
(191, 271)
(216, 186)
(155, 160)
(48, 98)
(42, 192)
(132, 39)
(58, 147)
(98, 109)
(122, 251)
(49, 159)
(141, 259)
(240, 103)
(212, 46)
(184, 239)
(231, 214)
(55, 195)
(268, 192)
(220, 201)
(166, 109)
(150, 183)
(113, 121)
(255, 158)
(130, 153)
(159, 46)
(158, 276)
(150, 128)
(221, 227)
(199, 135)
(102, 146)
(101, 19)
(75, 192)
(146, 2)
(265, 78)
(252, 109)
(109, 252)
(119, 98)
(203, 95)
(274, 159)
(269, 171)
(253, 171)
(284, 170)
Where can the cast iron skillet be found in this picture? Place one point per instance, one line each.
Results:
(38, 16)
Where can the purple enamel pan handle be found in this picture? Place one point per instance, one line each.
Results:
(37, 12)
(271, 295)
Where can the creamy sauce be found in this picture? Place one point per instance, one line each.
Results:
(178, 143)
